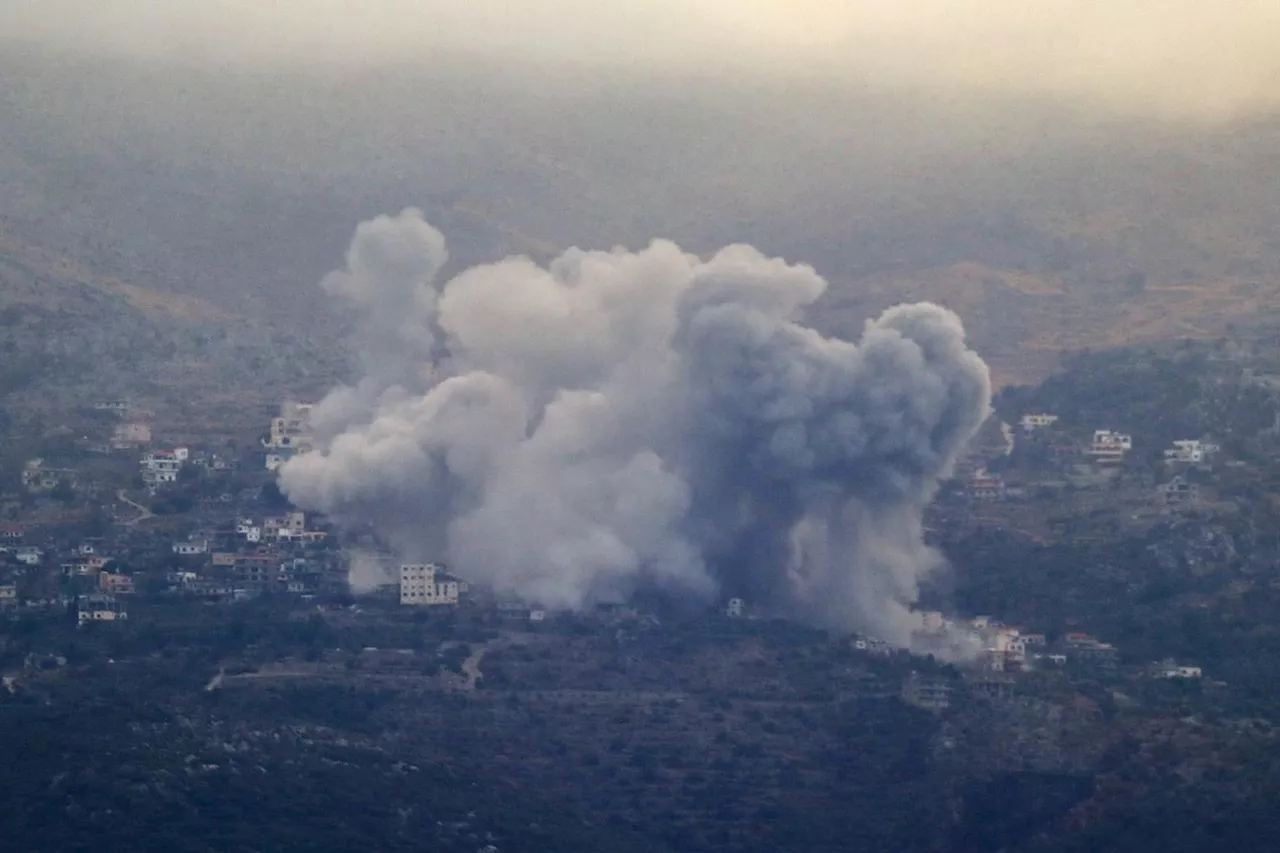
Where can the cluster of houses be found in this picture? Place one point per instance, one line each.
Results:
(290, 527)
(94, 585)
(1006, 648)
(1106, 450)
(278, 554)
(254, 557)
(11, 536)
(160, 467)
(39, 478)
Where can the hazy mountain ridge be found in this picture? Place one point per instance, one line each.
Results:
(66, 332)
(241, 188)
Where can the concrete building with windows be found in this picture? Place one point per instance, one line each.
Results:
(1109, 447)
(427, 584)
(162, 466)
(1189, 452)
(290, 434)
(99, 608)
(929, 692)
(984, 486)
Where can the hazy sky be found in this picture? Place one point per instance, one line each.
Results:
(1175, 57)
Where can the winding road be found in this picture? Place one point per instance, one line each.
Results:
(144, 513)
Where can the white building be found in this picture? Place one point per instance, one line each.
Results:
(191, 547)
(1109, 447)
(292, 525)
(1181, 672)
(734, 609)
(426, 584)
(250, 531)
(1189, 451)
(1030, 423)
(162, 466)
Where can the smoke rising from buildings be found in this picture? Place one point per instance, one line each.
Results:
(620, 420)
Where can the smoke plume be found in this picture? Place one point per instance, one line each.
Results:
(621, 420)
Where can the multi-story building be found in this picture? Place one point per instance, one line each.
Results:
(984, 486)
(191, 548)
(99, 608)
(427, 583)
(290, 434)
(929, 692)
(292, 525)
(162, 466)
(1109, 447)
(113, 583)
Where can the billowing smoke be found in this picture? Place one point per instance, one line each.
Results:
(624, 420)
(366, 572)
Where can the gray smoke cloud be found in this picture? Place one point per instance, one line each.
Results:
(622, 419)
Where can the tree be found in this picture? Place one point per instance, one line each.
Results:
(273, 497)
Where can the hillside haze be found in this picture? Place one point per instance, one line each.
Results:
(1046, 226)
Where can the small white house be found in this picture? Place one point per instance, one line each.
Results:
(191, 547)
(735, 608)
(1187, 451)
(1030, 423)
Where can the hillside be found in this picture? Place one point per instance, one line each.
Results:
(1023, 322)
(1049, 229)
(69, 332)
